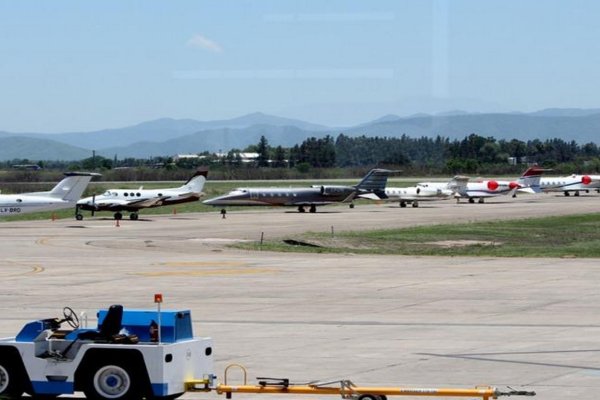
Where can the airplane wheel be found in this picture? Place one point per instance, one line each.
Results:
(415, 204)
(351, 205)
(567, 194)
(576, 194)
(133, 216)
(313, 209)
(480, 201)
(118, 216)
(471, 200)
(402, 204)
(301, 209)
(79, 217)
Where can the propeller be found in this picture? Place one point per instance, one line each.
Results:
(586, 179)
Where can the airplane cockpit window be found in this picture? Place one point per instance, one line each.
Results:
(107, 193)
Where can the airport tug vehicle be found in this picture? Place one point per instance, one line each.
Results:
(152, 354)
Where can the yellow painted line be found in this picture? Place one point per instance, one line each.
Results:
(210, 272)
(36, 269)
(204, 264)
(42, 241)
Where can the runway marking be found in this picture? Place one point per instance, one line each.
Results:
(210, 272)
(204, 264)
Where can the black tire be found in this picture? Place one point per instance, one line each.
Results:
(133, 216)
(11, 385)
(79, 217)
(114, 380)
(367, 396)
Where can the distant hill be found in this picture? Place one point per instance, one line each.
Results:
(214, 140)
(164, 129)
(582, 129)
(39, 149)
(166, 136)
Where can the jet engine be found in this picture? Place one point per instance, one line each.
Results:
(334, 190)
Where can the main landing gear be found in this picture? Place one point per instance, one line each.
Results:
(133, 216)
(312, 209)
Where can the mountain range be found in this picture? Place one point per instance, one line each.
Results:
(167, 137)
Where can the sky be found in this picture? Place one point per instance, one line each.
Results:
(88, 65)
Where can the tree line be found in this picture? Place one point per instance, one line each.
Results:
(327, 156)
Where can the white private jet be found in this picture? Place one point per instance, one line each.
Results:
(481, 189)
(414, 194)
(64, 195)
(573, 183)
(132, 200)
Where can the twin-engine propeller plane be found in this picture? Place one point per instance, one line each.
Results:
(311, 197)
(132, 200)
(64, 195)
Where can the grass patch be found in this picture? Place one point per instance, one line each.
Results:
(564, 236)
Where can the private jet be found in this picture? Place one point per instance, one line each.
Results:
(411, 195)
(64, 195)
(481, 189)
(132, 200)
(573, 183)
(311, 197)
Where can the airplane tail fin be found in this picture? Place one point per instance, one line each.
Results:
(458, 184)
(531, 178)
(196, 183)
(72, 187)
(374, 182)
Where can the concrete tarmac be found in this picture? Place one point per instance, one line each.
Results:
(377, 320)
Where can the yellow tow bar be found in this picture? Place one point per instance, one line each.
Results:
(347, 390)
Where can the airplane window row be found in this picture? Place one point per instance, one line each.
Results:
(132, 194)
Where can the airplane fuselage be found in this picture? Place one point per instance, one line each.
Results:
(23, 204)
(572, 183)
(283, 196)
(134, 200)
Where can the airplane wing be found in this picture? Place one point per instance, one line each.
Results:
(117, 205)
(369, 196)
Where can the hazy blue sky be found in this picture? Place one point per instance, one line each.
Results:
(84, 65)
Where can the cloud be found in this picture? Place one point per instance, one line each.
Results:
(200, 42)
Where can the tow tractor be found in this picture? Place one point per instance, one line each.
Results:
(152, 354)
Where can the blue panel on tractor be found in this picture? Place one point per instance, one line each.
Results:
(175, 325)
